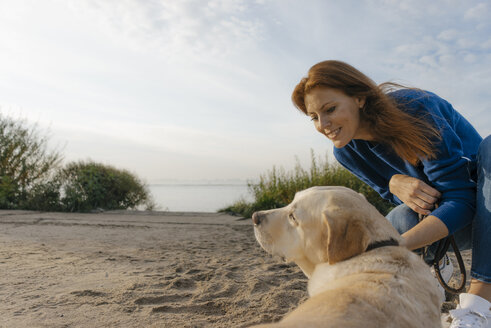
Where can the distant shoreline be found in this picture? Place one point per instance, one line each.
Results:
(202, 197)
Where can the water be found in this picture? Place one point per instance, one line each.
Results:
(197, 197)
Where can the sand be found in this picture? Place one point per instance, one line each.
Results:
(130, 269)
(140, 269)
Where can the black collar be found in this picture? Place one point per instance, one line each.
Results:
(382, 243)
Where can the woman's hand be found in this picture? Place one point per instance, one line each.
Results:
(413, 192)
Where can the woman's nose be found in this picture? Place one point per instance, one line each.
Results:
(324, 123)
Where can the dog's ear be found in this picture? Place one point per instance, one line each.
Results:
(347, 235)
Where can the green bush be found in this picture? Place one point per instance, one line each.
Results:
(31, 177)
(44, 197)
(277, 187)
(25, 161)
(88, 186)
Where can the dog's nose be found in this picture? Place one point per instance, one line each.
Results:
(256, 219)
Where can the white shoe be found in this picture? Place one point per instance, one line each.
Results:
(446, 270)
(472, 312)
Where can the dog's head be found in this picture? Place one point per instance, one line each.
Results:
(321, 224)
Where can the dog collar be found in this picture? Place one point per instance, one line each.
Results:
(382, 243)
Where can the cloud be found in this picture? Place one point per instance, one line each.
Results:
(175, 29)
(448, 35)
(478, 12)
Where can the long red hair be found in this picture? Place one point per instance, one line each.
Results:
(412, 138)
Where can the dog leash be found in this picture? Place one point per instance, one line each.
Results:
(441, 250)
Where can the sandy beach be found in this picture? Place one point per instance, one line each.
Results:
(127, 269)
(140, 269)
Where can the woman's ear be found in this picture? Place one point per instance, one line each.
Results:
(360, 101)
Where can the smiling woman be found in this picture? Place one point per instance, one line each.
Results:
(355, 104)
(418, 152)
(337, 116)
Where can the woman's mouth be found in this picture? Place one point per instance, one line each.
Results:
(333, 134)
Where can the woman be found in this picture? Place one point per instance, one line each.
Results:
(417, 151)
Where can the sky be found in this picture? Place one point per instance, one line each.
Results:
(201, 89)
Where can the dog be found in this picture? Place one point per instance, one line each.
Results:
(358, 274)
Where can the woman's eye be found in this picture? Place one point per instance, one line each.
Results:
(331, 109)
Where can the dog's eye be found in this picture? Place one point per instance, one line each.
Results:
(292, 217)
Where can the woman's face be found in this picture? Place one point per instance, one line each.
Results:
(336, 115)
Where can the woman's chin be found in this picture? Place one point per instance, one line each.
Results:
(339, 143)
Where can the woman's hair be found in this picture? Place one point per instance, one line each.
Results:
(412, 138)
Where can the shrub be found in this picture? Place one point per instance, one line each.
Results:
(44, 197)
(25, 161)
(88, 186)
(277, 187)
(31, 177)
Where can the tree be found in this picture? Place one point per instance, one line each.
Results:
(25, 161)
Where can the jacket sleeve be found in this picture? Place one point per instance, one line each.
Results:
(366, 168)
(449, 172)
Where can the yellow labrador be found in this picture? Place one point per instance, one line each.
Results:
(358, 275)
